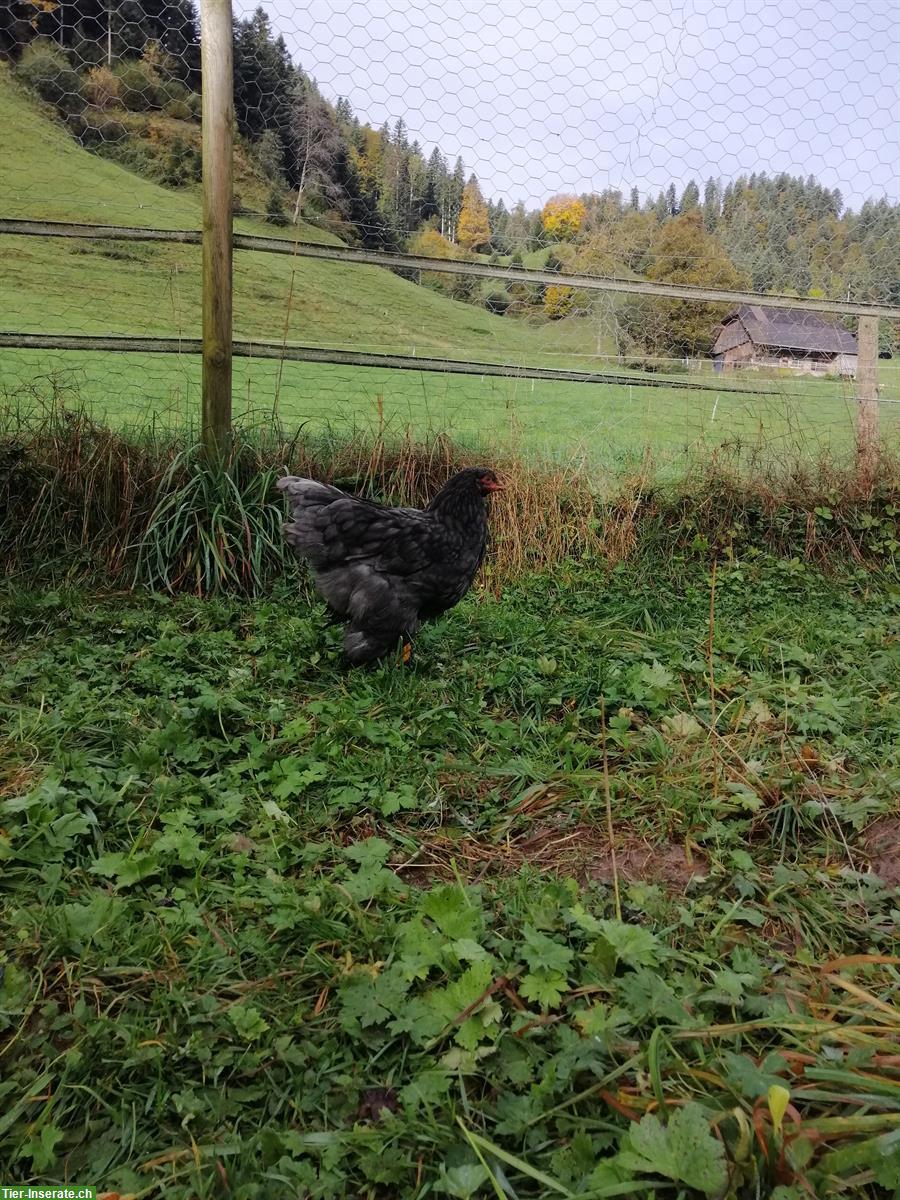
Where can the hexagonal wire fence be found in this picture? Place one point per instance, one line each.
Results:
(526, 152)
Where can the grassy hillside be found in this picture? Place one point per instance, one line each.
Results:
(55, 286)
(155, 289)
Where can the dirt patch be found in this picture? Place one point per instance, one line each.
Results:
(582, 852)
(882, 846)
(670, 864)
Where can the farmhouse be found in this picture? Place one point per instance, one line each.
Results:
(755, 336)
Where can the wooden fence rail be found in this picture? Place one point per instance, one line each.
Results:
(287, 352)
(450, 266)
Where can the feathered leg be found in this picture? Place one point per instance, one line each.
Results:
(362, 646)
(368, 645)
(382, 619)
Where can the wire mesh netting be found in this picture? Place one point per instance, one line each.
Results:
(751, 148)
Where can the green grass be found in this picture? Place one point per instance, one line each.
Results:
(535, 259)
(273, 929)
(59, 286)
(605, 426)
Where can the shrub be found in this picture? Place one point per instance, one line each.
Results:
(431, 244)
(637, 362)
(140, 88)
(45, 69)
(159, 62)
(497, 302)
(334, 222)
(657, 366)
(130, 153)
(183, 164)
(463, 287)
(175, 90)
(269, 153)
(558, 301)
(275, 213)
(92, 127)
(195, 104)
(178, 110)
(101, 87)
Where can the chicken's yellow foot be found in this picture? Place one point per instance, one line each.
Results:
(407, 651)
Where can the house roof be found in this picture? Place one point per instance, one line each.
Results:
(784, 329)
(731, 334)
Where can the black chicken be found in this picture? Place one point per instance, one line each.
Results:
(385, 570)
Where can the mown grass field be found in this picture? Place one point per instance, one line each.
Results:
(605, 427)
(273, 929)
(67, 287)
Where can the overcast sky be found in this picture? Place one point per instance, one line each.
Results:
(572, 96)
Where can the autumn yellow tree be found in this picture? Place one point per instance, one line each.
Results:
(615, 248)
(368, 158)
(430, 244)
(563, 217)
(681, 252)
(559, 301)
(473, 230)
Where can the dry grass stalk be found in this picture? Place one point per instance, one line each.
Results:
(68, 484)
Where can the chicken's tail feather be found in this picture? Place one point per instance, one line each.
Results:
(308, 499)
(303, 492)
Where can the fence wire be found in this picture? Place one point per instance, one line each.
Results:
(751, 147)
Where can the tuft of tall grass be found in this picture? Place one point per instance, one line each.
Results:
(80, 500)
(214, 527)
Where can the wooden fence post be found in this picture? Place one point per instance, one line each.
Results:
(216, 58)
(867, 396)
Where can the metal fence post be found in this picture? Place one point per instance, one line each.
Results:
(867, 395)
(216, 58)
